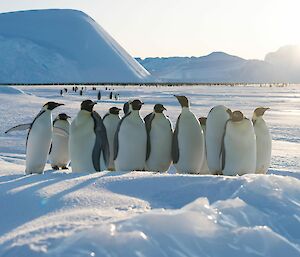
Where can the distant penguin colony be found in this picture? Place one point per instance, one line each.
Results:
(223, 143)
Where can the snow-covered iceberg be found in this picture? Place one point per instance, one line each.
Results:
(55, 46)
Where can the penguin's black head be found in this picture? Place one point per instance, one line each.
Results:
(202, 121)
(237, 116)
(114, 110)
(159, 108)
(63, 116)
(260, 111)
(126, 108)
(87, 105)
(51, 105)
(184, 102)
(136, 104)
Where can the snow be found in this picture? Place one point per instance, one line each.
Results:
(144, 213)
(47, 46)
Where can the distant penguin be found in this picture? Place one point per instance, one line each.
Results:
(204, 168)
(59, 156)
(188, 141)
(130, 140)
(159, 140)
(263, 141)
(88, 142)
(239, 146)
(215, 127)
(111, 121)
(38, 138)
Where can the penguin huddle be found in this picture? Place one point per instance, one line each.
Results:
(224, 143)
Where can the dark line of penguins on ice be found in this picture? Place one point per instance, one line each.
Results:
(101, 136)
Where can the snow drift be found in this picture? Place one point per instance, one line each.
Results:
(48, 46)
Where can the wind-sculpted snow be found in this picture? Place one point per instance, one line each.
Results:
(115, 214)
(145, 213)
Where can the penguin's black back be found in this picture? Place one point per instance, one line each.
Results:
(36, 117)
(175, 146)
(223, 150)
(116, 138)
(148, 123)
(101, 142)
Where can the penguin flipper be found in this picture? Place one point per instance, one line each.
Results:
(148, 122)
(60, 132)
(98, 144)
(222, 152)
(175, 146)
(126, 108)
(50, 148)
(104, 144)
(20, 127)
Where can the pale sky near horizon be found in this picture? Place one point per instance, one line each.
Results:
(149, 28)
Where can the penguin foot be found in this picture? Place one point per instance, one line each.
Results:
(55, 167)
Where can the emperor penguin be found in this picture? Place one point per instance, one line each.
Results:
(111, 121)
(38, 138)
(204, 168)
(88, 142)
(263, 141)
(188, 141)
(59, 156)
(239, 146)
(130, 140)
(159, 140)
(215, 127)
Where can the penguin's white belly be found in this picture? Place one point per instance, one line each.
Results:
(82, 141)
(161, 146)
(240, 149)
(191, 145)
(215, 127)
(111, 124)
(132, 146)
(59, 155)
(263, 148)
(38, 144)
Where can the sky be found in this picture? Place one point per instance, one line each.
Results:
(150, 28)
